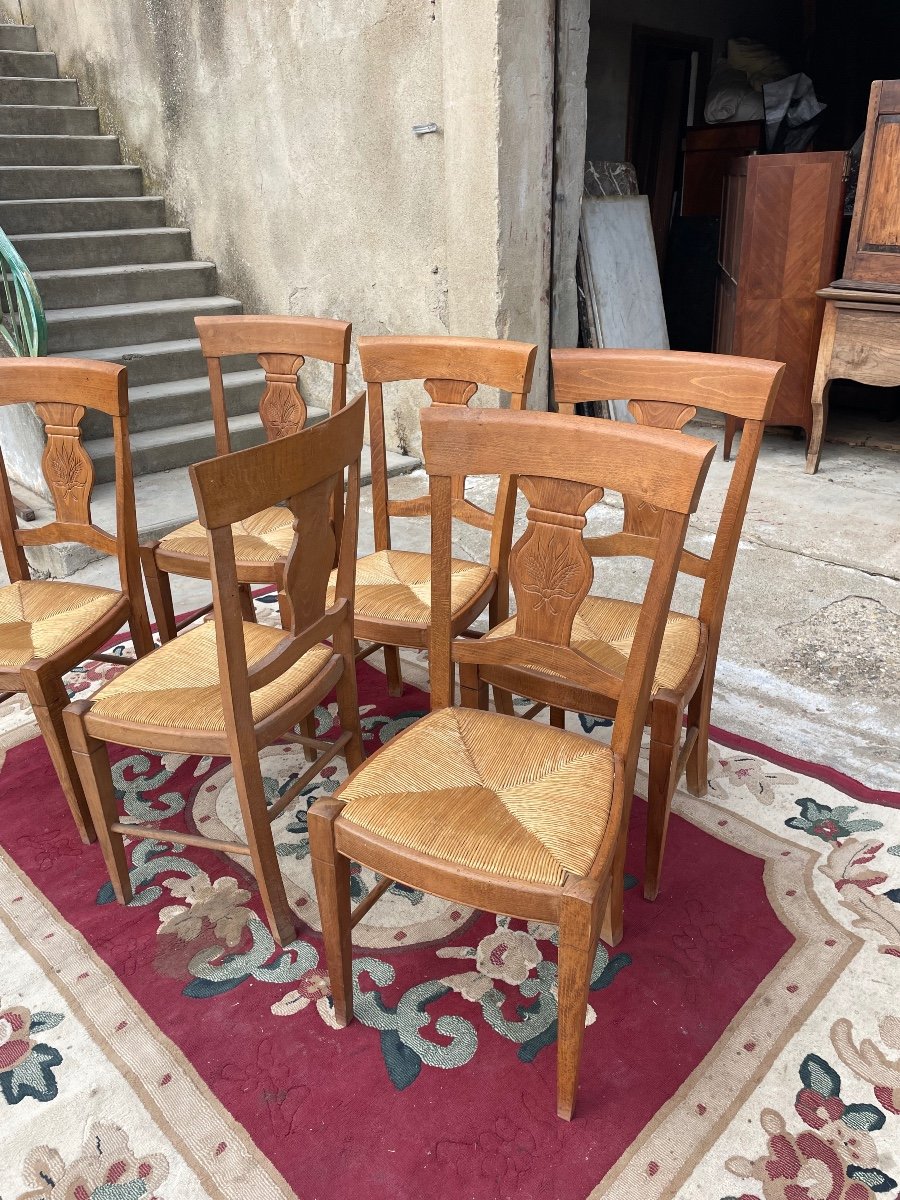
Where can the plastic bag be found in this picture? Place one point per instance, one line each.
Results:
(793, 113)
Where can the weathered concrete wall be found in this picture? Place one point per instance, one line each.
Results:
(281, 133)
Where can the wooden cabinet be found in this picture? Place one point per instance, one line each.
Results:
(873, 253)
(709, 150)
(781, 220)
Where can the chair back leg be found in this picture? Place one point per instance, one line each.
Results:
(261, 846)
(348, 698)
(393, 670)
(665, 739)
(697, 769)
(160, 591)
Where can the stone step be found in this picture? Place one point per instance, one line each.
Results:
(164, 501)
(38, 91)
(164, 362)
(60, 216)
(49, 118)
(181, 401)
(75, 329)
(155, 450)
(18, 37)
(52, 183)
(102, 248)
(28, 64)
(89, 286)
(58, 149)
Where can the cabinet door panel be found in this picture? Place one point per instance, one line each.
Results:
(873, 254)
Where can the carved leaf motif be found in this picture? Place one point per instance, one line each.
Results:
(548, 572)
(281, 413)
(69, 471)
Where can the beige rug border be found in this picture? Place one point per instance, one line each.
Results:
(678, 1135)
(126, 1034)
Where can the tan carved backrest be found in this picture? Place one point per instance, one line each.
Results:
(61, 390)
(451, 370)
(282, 346)
(551, 570)
(664, 389)
(304, 471)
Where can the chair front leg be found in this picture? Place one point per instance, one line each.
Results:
(48, 700)
(665, 741)
(331, 872)
(577, 949)
(160, 591)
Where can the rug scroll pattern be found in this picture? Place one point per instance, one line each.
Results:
(793, 1095)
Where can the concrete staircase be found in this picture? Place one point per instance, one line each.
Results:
(117, 284)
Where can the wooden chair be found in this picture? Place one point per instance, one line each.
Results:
(665, 389)
(487, 809)
(262, 539)
(48, 626)
(231, 686)
(393, 586)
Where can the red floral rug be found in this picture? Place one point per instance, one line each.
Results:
(743, 1041)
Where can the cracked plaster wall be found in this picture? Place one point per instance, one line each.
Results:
(280, 132)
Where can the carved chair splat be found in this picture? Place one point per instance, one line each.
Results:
(282, 346)
(48, 626)
(229, 686)
(391, 609)
(482, 808)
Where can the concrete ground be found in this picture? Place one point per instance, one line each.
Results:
(810, 655)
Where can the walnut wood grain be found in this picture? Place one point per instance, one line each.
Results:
(282, 346)
(305, 471)
(550, 572)
(61, 390)
(451, 370)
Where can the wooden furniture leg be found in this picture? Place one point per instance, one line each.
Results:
(699, 706)
(821, 383)
(48, 699)
(730, 430)
(308, 729)
(92, 760)
(348, 700)
(331, 872)
(577, 948)
(248, 608)
(665, 736)
(160, 591)
(261, 844)
(557, 717)
(473, 691)
(393, 671)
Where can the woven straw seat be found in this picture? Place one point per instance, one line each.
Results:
(489, 793)
(263, 538)
(395, 585)
(39, 617)
(177, 685)
(604, 629)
